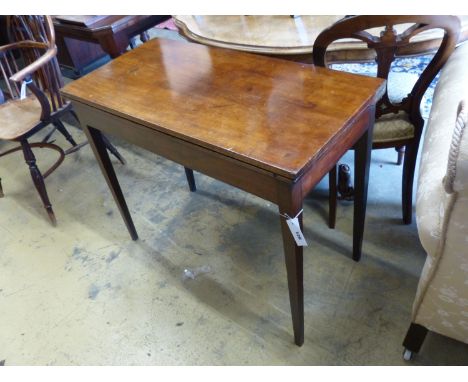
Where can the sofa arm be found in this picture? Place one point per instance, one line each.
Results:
(456, 178)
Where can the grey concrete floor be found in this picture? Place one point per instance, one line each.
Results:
(84, 293)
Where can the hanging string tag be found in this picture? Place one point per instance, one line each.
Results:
(23, 90)
(295, 228)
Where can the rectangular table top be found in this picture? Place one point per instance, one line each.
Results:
(274, 114)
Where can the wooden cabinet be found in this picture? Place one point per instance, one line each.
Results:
(86, 42)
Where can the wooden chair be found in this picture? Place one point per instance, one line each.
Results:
(31, 101)
(36, 28)
(398, 116)
(49, 80)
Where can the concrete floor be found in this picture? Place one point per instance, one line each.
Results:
(83, 293)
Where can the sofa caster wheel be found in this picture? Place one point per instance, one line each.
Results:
(407, 355)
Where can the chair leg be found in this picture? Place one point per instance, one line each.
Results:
(107, 143)
(414, 338)
(60, 127)
(345, 185)
(1, 189)
(332, 197)
(409, 165)
(190, 179)
(72, 112)
(401, 153)
(38, 179)
(112, 149)
(49, 134)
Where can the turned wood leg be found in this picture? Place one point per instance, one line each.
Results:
(96, 141)
(401, 153)
(332, 197)
(60, 127)
(290, 203)
(362, 156)
(190, 179)
(38, 179)
(415, 337)
(409, 165)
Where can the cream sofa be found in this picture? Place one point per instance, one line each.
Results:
(441, 303)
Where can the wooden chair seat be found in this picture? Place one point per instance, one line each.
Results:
(18, 117)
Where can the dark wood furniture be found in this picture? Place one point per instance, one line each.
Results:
(22, 114)
(85, 42)
(77, 58)
(398, 121)
(270, 127)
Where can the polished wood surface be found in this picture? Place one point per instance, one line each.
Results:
(279, 34)
(292, 37)
(270, 127)
(230, 102)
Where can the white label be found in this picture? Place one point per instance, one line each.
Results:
(295, 229)
(23, 90)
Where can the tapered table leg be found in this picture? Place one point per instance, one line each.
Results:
(190, 179)
(290, 203)
(97, 143)
(362, 155)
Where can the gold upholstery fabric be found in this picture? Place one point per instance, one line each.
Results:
(392, 127)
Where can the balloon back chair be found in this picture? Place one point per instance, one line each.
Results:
(398, 117)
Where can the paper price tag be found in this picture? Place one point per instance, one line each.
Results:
(23, 90)
(295, 228)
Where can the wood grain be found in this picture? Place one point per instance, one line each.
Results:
(270, 127)
(271, 113)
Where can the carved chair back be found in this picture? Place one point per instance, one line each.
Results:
(387, 45)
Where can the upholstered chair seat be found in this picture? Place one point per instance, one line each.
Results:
(392, 127)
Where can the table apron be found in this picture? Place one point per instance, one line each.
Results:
(226, 169)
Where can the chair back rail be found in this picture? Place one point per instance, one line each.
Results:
(40, 29)
(386, 46)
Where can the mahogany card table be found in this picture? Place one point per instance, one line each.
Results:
(268, 126)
